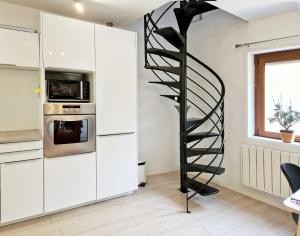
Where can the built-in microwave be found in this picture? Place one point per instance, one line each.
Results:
(67, 87)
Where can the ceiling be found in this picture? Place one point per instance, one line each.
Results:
(122, 12)
(254, 9)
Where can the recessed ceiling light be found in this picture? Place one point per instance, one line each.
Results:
(78, 6)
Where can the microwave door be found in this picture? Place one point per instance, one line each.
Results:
(64, 90)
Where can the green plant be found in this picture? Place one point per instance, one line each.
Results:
(286, 118)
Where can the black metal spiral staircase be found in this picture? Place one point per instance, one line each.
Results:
(193, 84)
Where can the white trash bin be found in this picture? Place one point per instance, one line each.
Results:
(142, 173)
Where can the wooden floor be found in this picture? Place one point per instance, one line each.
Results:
(158, 209)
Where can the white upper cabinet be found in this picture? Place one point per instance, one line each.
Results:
(116, 80)
(18, 48)
(68, 43)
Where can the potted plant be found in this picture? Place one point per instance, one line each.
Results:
(287, 119)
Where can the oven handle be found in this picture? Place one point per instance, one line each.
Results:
(81, 90)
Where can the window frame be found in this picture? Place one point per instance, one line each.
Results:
(260, 61)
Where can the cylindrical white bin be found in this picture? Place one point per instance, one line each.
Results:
(142, 173)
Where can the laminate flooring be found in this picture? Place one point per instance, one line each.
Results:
(159, 209)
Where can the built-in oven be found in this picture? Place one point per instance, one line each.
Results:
(69, 129)
(67, 87)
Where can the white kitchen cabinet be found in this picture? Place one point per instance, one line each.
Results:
(116, 165)
(19, 154)
(116, 80)
(68, 43)
(69, 181)
(18, 48)
(21, 190)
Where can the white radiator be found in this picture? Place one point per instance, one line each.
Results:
(260, 168)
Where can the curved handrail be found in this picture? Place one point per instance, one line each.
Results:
(210, 70)
(222, 94)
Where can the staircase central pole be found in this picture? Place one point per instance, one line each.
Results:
(183, 112)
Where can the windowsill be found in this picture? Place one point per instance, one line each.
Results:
(274, 144)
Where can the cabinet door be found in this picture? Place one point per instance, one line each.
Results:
(116, 80)
(68, 43)
(69, 181)
(116, 165)
(19, 48)
(21, 190)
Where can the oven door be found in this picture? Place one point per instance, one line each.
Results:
(69, 135)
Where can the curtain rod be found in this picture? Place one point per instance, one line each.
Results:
(265, 41)
(23, 29)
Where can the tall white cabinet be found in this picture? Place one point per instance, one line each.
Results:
(116, 90)
(116, 80)
(69, 45)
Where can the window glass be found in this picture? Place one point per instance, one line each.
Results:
(282, 82)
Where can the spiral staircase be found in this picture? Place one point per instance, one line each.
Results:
(193, 86)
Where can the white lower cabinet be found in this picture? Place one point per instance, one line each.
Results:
(21, 190)
(69, 181)
(116, 165)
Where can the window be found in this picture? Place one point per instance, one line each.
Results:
(277, 77)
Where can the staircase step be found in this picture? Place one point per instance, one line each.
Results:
(203, 151)
(205, 169)
(196, 186)
(165, 53)
(186, 14)
(198, 4)
(183, 20)
(198, 136)
(193, 121)
(169, 84)
(173, 70)
(194, 11)
(175, 98)
(172, 36)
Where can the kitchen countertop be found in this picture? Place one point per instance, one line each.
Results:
(20, 136)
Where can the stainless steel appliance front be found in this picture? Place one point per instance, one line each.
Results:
(67, 87)
(69, 129)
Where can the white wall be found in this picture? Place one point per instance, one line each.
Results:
(213, 41)
(19, 103)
